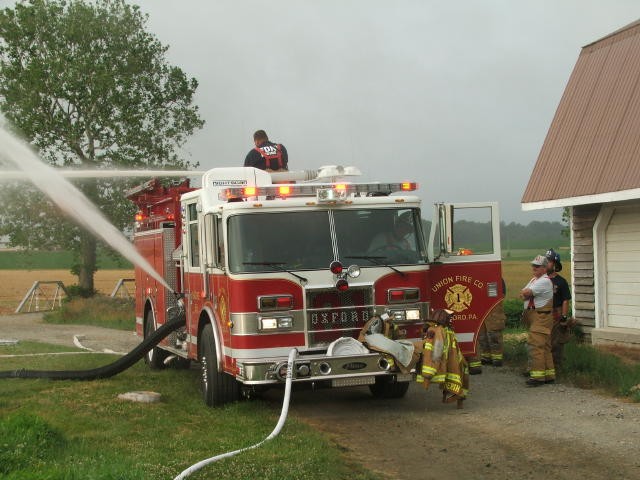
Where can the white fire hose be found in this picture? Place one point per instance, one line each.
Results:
(283, 416)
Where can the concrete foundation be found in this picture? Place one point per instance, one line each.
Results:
(626, 337)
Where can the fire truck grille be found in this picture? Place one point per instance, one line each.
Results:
(332, 314)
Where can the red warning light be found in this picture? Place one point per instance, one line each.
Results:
(249, 191)
(284, 190)
(408, 186)
(342, 285)
(335, 267)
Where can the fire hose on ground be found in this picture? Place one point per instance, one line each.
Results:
(283, 417)
(111, 369)
(134, 356)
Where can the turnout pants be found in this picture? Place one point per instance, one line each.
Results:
(541, 366)
(490, 349)
(560, 334)
(490, 335)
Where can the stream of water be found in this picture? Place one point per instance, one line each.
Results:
(69, 199)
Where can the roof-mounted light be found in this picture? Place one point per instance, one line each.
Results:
(324, 192)
(284, 190)
(408, 186)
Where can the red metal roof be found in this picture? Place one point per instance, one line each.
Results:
(593, 144)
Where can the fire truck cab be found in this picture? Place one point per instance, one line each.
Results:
(268, 262)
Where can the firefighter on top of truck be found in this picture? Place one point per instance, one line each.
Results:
(267, 155)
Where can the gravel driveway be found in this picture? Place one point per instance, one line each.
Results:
(29, 327)
(505, 431)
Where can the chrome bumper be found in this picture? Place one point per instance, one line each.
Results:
(347, 370)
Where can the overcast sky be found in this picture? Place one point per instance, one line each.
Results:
(456, 95)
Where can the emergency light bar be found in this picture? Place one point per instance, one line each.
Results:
(324, 192)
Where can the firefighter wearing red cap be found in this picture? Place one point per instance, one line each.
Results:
(538, 302)
(266, 155)
(560, 334)
(442, 360)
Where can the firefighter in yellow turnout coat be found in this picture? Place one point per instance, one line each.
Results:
(442, 360)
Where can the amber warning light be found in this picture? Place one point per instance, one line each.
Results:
(324, 192)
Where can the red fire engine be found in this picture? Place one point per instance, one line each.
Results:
(267, 265)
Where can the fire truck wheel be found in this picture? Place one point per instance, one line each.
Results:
(386, 387)
(217, 387)
(154, 357)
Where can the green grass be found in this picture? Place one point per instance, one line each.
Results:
(515, 347)
(583, 366)
(81, 430)
(588, 367)
(24, 347)
(99, 310)
(57, 260)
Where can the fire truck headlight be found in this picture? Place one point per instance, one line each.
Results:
(353, 271)
(413, 314)
(285, 322)
(268, 323)
(275, 323)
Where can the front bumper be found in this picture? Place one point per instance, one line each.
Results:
(343, 370)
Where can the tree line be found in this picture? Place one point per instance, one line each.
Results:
(535, 235)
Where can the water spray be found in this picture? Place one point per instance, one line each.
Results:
(70, 200)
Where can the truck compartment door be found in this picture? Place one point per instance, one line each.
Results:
(465, 273)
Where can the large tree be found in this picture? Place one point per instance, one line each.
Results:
(89, 87)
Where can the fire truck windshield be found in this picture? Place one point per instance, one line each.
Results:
(303, 240)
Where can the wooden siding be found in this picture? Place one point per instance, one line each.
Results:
(623, 268)
(582, 219)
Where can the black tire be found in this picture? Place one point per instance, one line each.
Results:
(218, 388)
(181, 363)
(156, 356)
(387, 387)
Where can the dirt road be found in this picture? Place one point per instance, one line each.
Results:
(505, 431)
(29, 326)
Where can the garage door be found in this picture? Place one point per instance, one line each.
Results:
(623, 268)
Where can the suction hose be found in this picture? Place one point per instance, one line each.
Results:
(111, 369)
(283, 416)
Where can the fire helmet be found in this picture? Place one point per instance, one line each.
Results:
(555, 258)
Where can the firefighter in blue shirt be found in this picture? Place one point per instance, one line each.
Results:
(561, 332)
(267, 155)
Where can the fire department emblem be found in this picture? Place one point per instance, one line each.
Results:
(222, 306)
(458, 297)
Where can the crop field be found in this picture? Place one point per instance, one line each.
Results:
(518, 273)
(16, 283)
